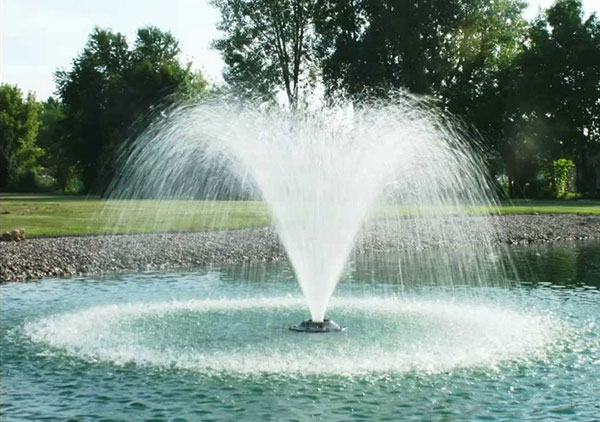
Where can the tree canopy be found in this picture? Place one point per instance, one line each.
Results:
(18, 130)
(110, 91)
(529, 90)
(557, 92)
(267, 45)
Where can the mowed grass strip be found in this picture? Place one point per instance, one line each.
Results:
(62, 216)
(521, 206)
(48, 215)
(526, 206)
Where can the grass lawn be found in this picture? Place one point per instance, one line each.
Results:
(526, 206)
(50, 215)
(75, 215)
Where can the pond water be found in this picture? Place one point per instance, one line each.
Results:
(213, 344)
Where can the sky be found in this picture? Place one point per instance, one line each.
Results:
(37, 37)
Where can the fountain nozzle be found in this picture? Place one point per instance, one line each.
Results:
(310, 326)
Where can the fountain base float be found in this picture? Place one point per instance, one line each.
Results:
(310, 326)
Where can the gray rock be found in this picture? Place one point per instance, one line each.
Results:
(67, 256)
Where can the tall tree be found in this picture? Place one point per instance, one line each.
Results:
(155, 72)
(426, 47)
(384, 44)
(91, 93)
(57, 158)
(479, 86)
(458, 51)
(558, 101)
(110, 91)
(18, 130)
(267, 45)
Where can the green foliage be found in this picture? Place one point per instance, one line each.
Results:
(18, 129)
(267, 45)
(458, 51)
(112, 92)
(56, 161)
(530, 91)
(485, 43)
(556, 174)
(572, 196)
(426, 47)
(556, 97)
(91, 93)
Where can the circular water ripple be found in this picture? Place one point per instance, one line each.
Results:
(385, 335)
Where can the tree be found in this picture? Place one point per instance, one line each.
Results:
(383, 44)
(91, 92)
(530, 91)
(155, 72)
(425, 47)
(267, 45)
(18, 129)
(57, 158)
(460, 52)
(558, 93)
(111, 91)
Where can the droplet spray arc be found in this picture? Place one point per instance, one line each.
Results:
(322, 172)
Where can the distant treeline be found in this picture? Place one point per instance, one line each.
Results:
(529, 90)
(111, 93)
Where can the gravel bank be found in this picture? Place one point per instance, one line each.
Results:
(67, 256)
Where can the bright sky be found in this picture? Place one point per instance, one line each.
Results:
(37, 37)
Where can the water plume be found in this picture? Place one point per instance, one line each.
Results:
(321, 172)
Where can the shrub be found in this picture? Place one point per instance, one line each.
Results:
(556, 175)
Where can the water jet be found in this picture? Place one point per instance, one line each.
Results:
(324, 174)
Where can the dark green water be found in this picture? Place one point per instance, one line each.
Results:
(213, 345)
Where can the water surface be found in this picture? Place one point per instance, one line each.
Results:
(212, 344)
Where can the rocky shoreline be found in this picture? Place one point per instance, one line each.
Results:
(33, 259)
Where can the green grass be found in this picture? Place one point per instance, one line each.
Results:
(526, 206)
(520, 206)
(48, 215)
(68, 215)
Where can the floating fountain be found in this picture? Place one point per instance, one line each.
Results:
(310, 326)
(322, 173)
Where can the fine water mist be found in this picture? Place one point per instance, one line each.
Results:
(325, 173)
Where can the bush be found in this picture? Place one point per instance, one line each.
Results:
(33, 181)
(73, 185)
(556, 175)
(45, 183)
